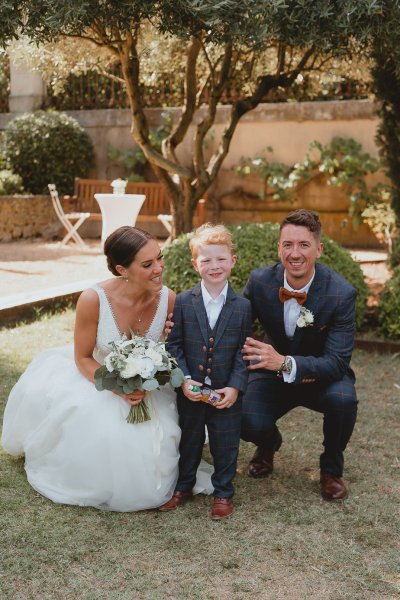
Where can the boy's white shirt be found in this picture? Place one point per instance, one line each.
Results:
(213, 308)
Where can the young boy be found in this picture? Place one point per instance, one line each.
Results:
(210, 327)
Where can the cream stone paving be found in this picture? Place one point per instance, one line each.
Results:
(29, 268)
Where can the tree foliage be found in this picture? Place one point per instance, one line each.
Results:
(222, 42)
(386, 84)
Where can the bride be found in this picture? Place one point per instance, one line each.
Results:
(78, 447)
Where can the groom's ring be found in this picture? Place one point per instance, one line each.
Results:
(259, 358)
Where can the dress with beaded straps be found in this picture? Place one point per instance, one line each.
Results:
(78, 447)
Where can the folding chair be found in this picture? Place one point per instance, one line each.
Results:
(70, 221)
(166, 220)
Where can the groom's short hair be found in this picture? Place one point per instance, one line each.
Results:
(304, 218)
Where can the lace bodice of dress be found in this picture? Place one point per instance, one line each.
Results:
(107, 328)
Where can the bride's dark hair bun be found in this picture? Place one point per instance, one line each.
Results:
(122, 245)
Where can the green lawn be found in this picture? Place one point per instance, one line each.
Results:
(283, 541)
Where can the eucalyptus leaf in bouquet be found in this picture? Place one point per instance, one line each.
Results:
(137, 364)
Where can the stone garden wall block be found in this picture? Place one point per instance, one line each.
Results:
(27, 216)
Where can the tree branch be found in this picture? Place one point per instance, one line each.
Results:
(219, 156)
(201, 93)
(189, 108)
(241, 107)
(140, 128)
(281, 58)
(202, 173)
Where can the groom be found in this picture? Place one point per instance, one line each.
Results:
(307, 312)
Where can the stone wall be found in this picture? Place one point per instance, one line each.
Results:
(27, 216)
(287, 127)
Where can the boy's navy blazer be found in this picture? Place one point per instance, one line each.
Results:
(198, 351)
(323, 350)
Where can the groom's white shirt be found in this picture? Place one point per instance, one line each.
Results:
(291, 312)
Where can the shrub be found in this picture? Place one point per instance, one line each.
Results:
(47, 147)
(256, 246)
(341, 161)
(3, 164)
(389, 309)
(10, 183)
(394, 258)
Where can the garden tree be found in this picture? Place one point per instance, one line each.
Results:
(256, 46)
(386, 82)
(57, 61)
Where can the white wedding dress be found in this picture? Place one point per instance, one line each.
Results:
(78, 447)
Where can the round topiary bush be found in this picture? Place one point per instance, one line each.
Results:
(256, 246)
(47, 147)
(10, 183)
(389, 308)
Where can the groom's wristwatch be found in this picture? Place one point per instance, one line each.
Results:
(287, 365)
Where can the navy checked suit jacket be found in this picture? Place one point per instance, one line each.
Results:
(323, 350)
(189, 340)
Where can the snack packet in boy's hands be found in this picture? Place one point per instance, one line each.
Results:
(207, 394)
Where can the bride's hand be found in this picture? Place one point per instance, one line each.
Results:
(134, 398)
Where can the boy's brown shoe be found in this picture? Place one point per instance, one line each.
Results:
(178, 498)
(222, 507)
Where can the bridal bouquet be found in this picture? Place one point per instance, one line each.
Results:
(137, 364)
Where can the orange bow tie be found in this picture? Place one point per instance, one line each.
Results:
(285, 294)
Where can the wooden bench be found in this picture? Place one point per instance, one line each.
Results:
(155, 208)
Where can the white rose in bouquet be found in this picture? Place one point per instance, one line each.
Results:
(145, 367)
(154, 356)
(132, 366)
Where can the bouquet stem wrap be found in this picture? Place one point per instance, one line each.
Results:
(138, 413)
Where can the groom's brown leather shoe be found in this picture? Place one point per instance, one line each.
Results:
(332, 487)
(178, 498)
(262, 463)
(221, 508)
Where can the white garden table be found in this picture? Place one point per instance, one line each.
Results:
(118, 210)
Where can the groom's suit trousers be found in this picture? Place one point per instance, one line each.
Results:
(268, 398)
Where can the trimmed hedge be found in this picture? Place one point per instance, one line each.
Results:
(256, 246)
(389, 308)
(47, 147)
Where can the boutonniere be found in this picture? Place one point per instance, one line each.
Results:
(306, 318)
